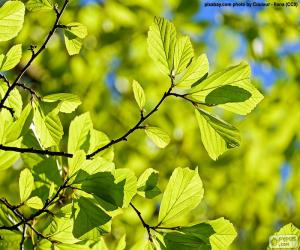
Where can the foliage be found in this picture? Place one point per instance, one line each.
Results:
(78, 193)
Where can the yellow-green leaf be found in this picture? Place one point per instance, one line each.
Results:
(37, 5)
(224, 234)
(183, 54)
(12, 58)
(161, 43)
(139, 94)
(183, 193)
(238, 76)
(34, 202)
(160, 138)
(217, 135)
(7, 158)
(26, 184)
(193, 73)
(74, 33)
(11, 19)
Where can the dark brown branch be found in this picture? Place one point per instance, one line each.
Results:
(3, 77)
(195, 103)
(31, 91)
(35, 151)
(148, 227)
(23, 237)
(34, 54)
(10, 110)
(135, 127)
(145, 225)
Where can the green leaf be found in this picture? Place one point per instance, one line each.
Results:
(194, 237)
(47, 126)
(20, 126)
(224, 234)
(116, 188)
(34, 202)
(193, 73)
(76, 162)
(68, 102)
(139, 94)
(87, 217)
(78, 132)
(158, 136)
(161, 43)
(147, 184)
(11, 19)
(77, 29)
(26, 184)
(288, 229)
(14, 100)
(12, 58)
(183, 54)
(217, 135)
(74, 33)
(88, 170)
(238, 76)
(99, 139)
(128, 178)
(179, 200)
(226, 94)
(7, 159)
(10, 239)
(61, 225)
(122, 243)
(38, 5)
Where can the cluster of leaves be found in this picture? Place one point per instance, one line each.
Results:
(69, 204)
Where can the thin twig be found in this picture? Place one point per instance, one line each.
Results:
(31, 91)
(135, 127)
(145, 225)
(23, 237)
(148, 227)
(10, 110)
(35, 151)
(195, 103)
(3, 77)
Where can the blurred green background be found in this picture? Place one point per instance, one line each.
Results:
(255, 186)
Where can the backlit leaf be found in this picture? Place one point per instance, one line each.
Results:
(38, 5)
(11, 19)
(182, 194)
(160, 138)
(26, 184)
(193, 73)
(12, 58)
(217, 135)
(34, 202)
(139, 94)
(161, 43)
(78, 131)
(68, 102)
(183, 54)
(238, 76)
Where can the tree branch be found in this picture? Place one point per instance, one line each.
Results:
(35, 151)
(148, 227)
(195, 103)
(135, 127)
(145, 225)
(25, 221)
(34, 55)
